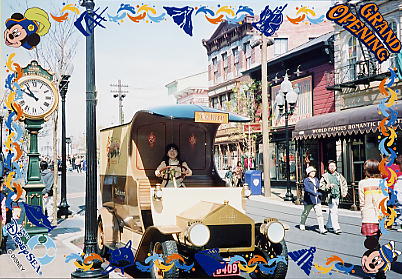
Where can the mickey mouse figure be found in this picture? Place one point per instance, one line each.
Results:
(379, 260)
(26, 30)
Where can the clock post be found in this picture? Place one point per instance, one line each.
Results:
(39, 100)
(34, 185)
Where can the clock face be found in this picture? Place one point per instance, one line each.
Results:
(38, 98)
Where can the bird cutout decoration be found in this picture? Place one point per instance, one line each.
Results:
(182, 17)
(210, 260)
(35, 215)
(270, 21)
(304, 258)
(120, 258)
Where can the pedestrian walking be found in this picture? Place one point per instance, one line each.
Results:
(73, 162)
(335, 185)
(47, 192)
(78, 164)
(238, 173)
(229, 177)
(312, 199)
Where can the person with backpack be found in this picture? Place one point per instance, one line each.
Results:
(335, 185)
(47, 192)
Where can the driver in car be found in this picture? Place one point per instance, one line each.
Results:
(172, 169)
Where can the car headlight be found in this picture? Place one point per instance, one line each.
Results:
(198, 234)
(274, 231)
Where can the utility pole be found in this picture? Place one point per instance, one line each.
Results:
(119, 93)
(265, 115)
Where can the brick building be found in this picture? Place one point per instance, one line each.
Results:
(229, 55)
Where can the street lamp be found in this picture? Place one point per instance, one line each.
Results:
(63, 207)
(264, 42)
(68, 142)
(91, 221)
(287, 97)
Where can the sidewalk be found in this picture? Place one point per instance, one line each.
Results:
(278, 193)
(67, 232)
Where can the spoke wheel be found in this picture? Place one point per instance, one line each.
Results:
(165, 248)
(271, 250)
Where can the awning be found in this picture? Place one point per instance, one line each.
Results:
(352, 121)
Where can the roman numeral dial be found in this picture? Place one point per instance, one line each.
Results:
(37, 97)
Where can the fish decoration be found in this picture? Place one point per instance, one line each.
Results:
(35, 215)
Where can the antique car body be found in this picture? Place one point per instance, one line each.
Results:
(204, 215)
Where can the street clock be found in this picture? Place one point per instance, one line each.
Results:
(39, 97)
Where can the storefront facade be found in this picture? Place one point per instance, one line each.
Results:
(349, 137)
(307, 67)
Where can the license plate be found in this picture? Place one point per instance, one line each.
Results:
(228, 270)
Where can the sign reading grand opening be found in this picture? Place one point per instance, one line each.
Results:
(211, 117)
(304, 107)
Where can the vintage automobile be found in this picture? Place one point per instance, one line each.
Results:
(203, 215)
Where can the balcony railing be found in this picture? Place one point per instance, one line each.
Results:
(361, 72)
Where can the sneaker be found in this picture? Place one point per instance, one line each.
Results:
(338, 232)
(302, 227)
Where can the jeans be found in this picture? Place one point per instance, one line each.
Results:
(318, 213)
(332, 222)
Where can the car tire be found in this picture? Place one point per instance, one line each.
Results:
(102, 249)
(166, 248)
(279, 249)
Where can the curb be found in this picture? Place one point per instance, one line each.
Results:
(342, 212)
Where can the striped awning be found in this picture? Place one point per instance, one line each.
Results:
(360, 120)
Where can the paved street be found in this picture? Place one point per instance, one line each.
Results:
(348, 246)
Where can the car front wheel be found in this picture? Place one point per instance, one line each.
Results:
(271, 250)
(165, 249)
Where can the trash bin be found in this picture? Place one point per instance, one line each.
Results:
(253, 178)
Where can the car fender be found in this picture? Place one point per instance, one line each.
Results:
(154, 234)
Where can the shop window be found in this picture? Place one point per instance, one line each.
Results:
(280, 46)
(352, 58)
(225, 65)
(236, 63)
(223, 101)
(393, 56)
(247, 51)
(279, 161)
(358, 157)
(215, 68)
(215, 102)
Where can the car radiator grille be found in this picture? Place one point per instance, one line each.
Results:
(229, 236)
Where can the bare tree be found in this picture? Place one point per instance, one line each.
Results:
(55, 52)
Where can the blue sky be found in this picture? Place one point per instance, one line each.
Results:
(146, 56)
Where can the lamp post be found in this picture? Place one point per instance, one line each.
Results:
(264, 42)
(287, 96)
(68, 142)
(63, 207)
(90, 238)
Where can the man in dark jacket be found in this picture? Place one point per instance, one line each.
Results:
(47, 192)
